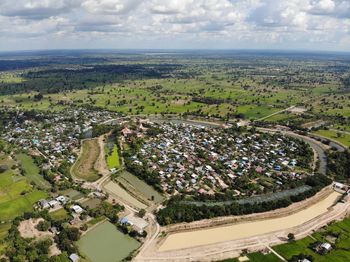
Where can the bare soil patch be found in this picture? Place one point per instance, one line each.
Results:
(27, 229)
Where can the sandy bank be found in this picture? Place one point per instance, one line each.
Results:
(245, 230)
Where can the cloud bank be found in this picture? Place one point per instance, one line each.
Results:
(257, 24)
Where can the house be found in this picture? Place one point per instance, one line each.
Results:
(137, 223)
(74, 257)
(77, 209)
(44, 204)
(126, 131)
(340, 187)
(323, 248)
(62, 199)
(125, 221)
(53, 203)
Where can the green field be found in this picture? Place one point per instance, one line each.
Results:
(342, 138)
(259, 257)
(32, 172)
(16, 196)
(340, 253)
(59, 214)
(91, 203)
(140, 186)
(256, 257)
(72, 194)
(105, 243)
(113, 160)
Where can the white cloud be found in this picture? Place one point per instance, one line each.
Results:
(178, 23)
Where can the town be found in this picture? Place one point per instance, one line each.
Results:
(56, 136)
(178, 156)
(193, 159)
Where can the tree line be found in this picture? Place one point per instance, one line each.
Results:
(177, 211)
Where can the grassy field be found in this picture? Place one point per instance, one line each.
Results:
(16, 196)
(113, 160)
(342, 138)
(259, 257)
(32, 172)
(59, 214)
(256, 257)
(105, 243)
(84, 166)
(140, 186)
(72, 194)
(340, 253)
(91, 203)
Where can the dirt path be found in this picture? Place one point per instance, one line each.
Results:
(276, 113)
(276, 254)
(101, 164)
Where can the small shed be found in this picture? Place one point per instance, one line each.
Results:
(74, 257)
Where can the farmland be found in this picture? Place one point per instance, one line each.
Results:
(17, 195)
(31, 171)
(224, 84)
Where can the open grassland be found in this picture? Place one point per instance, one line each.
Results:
(345, 128)
(84, 166)
(340, 137)
(32, 172)
(225, 84)
(105, 243)
(155, 96)
(10, 78)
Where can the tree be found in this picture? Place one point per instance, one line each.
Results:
(141, 213)
(73, 233)
(43, 225)
(291, 237)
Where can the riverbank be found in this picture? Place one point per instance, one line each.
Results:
(232, 246)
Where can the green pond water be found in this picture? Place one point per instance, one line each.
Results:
(106, 244)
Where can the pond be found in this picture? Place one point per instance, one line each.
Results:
(105, 243)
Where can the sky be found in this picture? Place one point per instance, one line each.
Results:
(175, 24)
